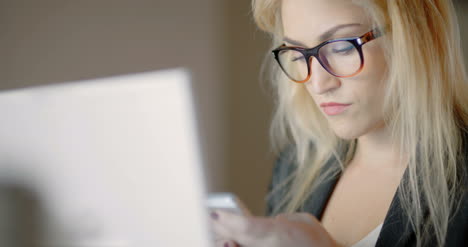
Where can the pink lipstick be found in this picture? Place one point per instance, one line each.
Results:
(333, 108)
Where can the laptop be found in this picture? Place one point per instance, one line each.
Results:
(111, 162)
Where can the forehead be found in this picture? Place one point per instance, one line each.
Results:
(306, 20)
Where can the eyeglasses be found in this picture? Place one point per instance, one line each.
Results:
(340, 57)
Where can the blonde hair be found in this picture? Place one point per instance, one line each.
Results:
(426, 108)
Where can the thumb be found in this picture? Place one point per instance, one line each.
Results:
(298, 217)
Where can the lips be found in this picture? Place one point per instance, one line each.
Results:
(333, 108)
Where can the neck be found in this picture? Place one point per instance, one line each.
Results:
(378, 149)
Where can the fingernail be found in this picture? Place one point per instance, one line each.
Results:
(226, 244)
(215, 216)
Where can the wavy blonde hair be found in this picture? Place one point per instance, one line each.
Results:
(426, 108)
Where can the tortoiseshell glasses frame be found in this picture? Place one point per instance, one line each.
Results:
(307, 54)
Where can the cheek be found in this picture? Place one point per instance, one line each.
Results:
(375, 65)
(367, 91)
(366, 115)
(369, 86)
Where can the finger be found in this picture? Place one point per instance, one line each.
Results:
(226, 243)
(298, 217)
(219, 230)
(243, 230)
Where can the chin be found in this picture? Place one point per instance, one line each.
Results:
(349, 134)
(357, 130)
(346, 136)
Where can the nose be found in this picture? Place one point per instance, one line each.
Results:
(321, 81)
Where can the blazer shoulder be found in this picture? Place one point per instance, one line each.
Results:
(283, 168)
(282, 178)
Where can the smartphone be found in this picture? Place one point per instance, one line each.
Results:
(227, 201)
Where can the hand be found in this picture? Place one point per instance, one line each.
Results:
(298, 229)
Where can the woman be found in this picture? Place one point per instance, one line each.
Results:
(372, 116)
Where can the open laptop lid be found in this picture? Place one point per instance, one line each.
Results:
(110, 162)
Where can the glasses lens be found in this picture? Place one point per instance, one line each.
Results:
(341, 58)
(293, 64)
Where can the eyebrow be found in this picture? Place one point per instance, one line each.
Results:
(325, 36)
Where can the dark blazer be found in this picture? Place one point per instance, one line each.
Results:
(393, 231)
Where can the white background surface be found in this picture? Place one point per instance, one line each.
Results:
(114, 163)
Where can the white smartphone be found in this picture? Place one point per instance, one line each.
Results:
(227, 201)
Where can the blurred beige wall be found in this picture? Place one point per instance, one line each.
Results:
(249, 107)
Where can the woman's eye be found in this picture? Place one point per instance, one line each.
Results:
(299, 58)
(343, 50)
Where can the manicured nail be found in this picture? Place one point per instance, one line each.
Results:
(226, 244)
(214, 215)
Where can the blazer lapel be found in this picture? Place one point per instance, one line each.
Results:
(396, 230)
(315, 204)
